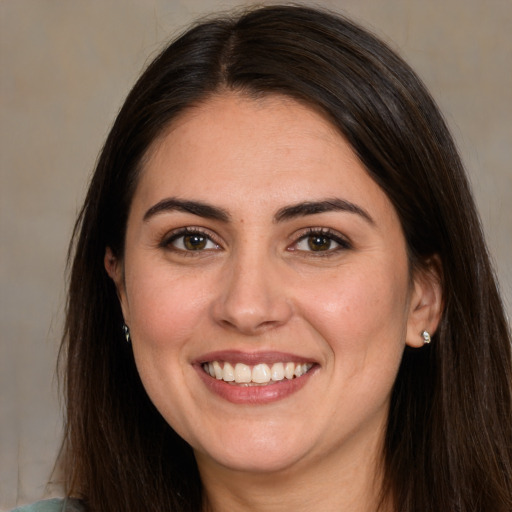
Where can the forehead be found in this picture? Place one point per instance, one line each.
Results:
(262, 149)
(270, 120)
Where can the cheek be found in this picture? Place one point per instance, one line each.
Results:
(164, 309)
(165, 314)
(360, 314)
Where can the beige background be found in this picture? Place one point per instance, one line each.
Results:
(65, 69)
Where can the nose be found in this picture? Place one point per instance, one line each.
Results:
(252, 296)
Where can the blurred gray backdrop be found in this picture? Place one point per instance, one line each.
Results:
(66, 67)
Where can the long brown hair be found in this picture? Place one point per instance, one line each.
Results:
(449, 437)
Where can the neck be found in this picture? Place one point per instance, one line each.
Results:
(348, 479)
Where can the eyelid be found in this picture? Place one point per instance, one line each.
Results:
(174, 234)
(342, 241)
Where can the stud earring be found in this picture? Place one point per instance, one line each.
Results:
(426, 337)
(126, 332)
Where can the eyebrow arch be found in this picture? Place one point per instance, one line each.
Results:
(327, 205)
(195, 207)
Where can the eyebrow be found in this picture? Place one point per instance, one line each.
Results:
(327, 205)
(302, 209)
(195, 207)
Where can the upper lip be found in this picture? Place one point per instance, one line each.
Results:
(251, 358)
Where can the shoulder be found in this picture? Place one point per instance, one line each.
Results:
(54, 505)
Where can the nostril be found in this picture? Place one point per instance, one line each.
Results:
(249, 326)
(251, 320)
(251, 299)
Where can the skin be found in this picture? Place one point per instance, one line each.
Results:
(350, 307)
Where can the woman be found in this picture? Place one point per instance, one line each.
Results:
(280, 295)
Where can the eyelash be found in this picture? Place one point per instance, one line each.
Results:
(330, 235)
(325, 233)
(172, 237)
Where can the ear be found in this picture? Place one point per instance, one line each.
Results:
(114, 268)
(426, 303)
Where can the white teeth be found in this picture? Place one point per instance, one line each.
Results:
(259, 374)
(278, 371)
(298, 370)
(289, 371)
(242, 373)
(228, 374)
(218, 370)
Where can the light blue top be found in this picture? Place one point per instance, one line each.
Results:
(54, 505)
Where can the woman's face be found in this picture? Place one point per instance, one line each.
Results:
(266, 286)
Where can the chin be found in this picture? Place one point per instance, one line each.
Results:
(261, 455)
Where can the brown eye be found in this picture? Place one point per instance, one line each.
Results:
(195, 242)
(190, 241)
(319, 243)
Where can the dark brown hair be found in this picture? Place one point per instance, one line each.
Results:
(449, 437)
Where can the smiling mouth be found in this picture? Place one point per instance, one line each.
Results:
(256, 375)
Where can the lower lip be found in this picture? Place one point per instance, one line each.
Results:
(254, 395)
